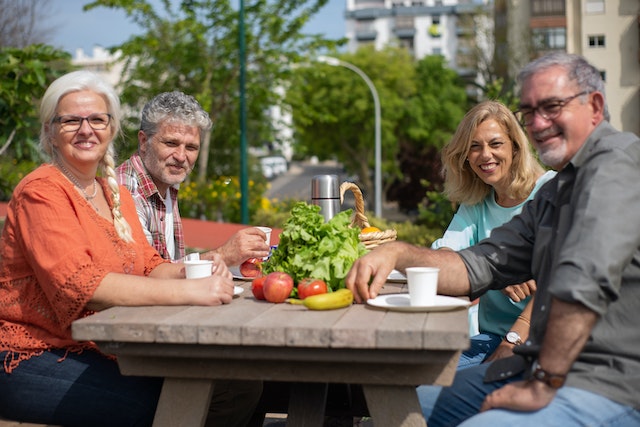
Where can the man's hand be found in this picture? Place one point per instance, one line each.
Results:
(504, 349)
(521, 291)
(520, 396)
(369, 273)
(244, 244)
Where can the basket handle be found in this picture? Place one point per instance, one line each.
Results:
(359, 218)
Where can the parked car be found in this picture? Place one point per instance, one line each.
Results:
(273, 166)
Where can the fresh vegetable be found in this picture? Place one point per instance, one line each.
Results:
(338, 299)
(311, 247)
(277, 286)
(257, 287)
(308, 287)
(251, 267)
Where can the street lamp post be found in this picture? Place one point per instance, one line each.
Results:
(376, 104)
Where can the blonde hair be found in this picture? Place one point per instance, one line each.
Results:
(461, 184)
(74, 82)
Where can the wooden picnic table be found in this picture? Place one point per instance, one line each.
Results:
(387, 352)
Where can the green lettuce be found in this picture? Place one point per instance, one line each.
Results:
(309, 247)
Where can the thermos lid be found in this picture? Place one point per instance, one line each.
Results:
(325, 187)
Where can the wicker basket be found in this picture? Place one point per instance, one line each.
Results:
(373, 239)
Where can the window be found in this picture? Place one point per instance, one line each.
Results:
(547, 7)
(594, 6)
(549, 38)
(596, 41)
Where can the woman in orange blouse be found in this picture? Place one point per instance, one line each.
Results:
(71, 245)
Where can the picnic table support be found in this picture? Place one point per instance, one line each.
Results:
(307, 402)
(387, 404)
(191, 396)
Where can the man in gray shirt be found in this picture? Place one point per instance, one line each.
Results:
(579, 238)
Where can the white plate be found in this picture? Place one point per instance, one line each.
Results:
(237, 290)
(397, 277)
(400, 302)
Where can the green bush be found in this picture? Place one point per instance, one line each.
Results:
(219, 199)
(409, 232)
(273, 213)
(11, 172)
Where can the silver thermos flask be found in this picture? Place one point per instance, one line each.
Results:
(325, 192)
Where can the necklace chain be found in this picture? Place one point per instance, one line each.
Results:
(75, 182)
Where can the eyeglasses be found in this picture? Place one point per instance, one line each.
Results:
(547, 110)
(71, 123)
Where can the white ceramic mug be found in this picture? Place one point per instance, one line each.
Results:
(423, 285)
(195, 269)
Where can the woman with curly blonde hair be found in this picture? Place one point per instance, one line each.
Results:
(491, 171)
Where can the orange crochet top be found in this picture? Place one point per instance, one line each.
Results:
(54, 252)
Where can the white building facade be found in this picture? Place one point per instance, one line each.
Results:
(425, 27)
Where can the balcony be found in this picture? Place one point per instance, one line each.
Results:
(404, 32)
(366, 35)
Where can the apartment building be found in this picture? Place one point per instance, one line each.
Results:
(101, 62)
(605, 32)
(425, 27)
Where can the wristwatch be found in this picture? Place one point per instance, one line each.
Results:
(552, 380)
(513, 337)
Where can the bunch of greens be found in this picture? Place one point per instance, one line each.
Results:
(309, 247)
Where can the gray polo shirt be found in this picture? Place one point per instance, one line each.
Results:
(579, 238)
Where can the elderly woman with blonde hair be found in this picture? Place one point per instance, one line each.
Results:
(72, 245)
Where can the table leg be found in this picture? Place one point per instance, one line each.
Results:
(184, 402)
(394, 406)
(306, 404)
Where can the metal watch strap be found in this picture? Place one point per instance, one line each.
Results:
(552, 380)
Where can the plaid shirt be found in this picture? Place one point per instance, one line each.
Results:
(150, 206)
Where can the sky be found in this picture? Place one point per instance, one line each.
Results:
(73, 28)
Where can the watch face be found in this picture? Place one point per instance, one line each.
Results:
(513, 337)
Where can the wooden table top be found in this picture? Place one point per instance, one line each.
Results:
(249, 322)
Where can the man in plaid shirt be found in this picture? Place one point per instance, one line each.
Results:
(172, 128)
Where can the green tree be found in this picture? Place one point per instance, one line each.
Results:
(26, 73)
(430, 118)
(192, 46)
(333, 110)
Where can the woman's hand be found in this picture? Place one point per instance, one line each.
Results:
(521, 291)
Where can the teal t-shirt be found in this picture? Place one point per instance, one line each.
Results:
(471, 224)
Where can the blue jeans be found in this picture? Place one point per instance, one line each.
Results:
(482, 346)
(460, 403)
(88, 390)
(83, 390)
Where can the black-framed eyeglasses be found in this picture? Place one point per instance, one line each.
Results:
(547, 110)
(71, 123)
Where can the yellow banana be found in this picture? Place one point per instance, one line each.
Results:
(336, 299)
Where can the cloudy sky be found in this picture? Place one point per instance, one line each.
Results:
(105, 27)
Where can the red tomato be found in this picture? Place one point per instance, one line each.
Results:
(277, 286)
(257, 287)
(308, 287)
(251, 268)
